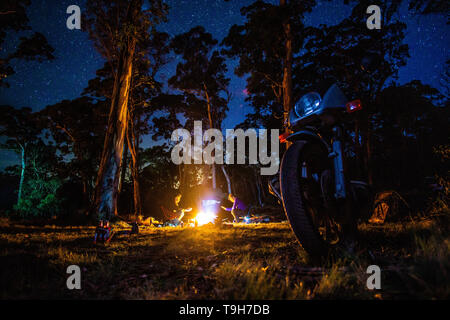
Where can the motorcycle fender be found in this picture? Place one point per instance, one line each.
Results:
(309, 136)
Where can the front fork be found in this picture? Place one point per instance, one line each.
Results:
(341, 194)
(338, 163)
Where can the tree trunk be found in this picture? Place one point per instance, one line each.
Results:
(121, 176)
(22, 174)
(86, 195)
(211, 126)
(227, 178)
(232, 181)
(182, 177)
(123, 169)
(137, 190)
(258, 188)
(287, 73)
(213, 172)
(108, 174)
(132, 141)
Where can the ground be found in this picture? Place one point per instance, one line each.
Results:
(261, 261)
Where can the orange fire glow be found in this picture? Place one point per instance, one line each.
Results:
(205, 217)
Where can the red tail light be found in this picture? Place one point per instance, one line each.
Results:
(283, 137)
(353, 106)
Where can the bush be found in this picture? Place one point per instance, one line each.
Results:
(39, 199)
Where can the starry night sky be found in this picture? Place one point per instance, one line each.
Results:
(37, 85)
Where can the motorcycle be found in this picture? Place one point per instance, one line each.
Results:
(322, 204)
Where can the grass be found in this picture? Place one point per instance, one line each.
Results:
(241, 262)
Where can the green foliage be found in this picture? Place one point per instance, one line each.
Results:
(40, 199)
(40, 182)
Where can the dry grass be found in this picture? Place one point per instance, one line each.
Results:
(241, 262)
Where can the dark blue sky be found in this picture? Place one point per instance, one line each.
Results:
(40, 84)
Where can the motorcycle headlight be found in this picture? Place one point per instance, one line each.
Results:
(307, 104)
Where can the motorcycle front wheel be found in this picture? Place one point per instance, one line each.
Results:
(306, 180)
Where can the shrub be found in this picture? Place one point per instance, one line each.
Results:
(39, 199)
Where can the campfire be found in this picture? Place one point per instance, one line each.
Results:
(205, 217)
(208, 212)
